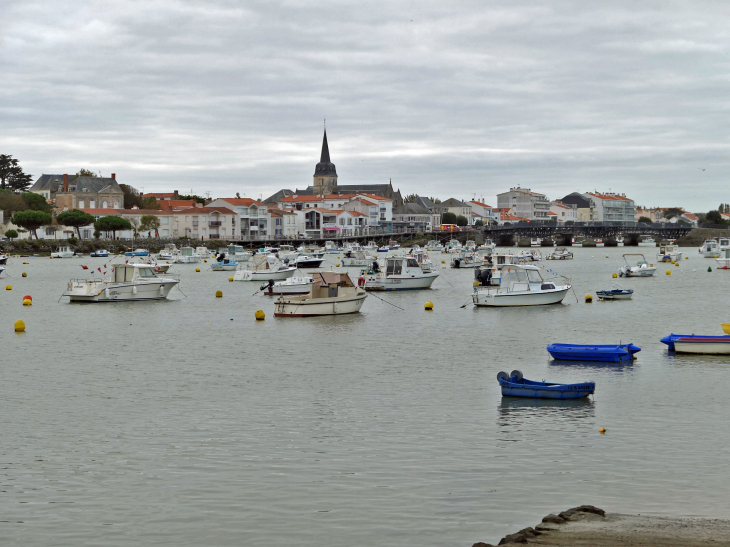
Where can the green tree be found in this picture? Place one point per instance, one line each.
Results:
(479, 223)
(36, 202)
(410, 198)
(10, 202)
(193, 196)
(131, 196)
(673, 212)
(112, 223)
(435, 201)
(149, 223)
(31, 220)
(461, 220)
(75, 219)
(149, 203)
(11, 234)
(86, 173)
(714, 217)
(448, 218)
(12, 175)
(97, 234)
(645, 219)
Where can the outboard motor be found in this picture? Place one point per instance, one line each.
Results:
(221, 257)
(286, 260)
(376, 267)
(457, 262)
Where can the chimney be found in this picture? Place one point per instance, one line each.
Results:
(65, 183)
(176, 195)
(114, 176)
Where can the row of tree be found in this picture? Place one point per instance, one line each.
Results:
(31, 220)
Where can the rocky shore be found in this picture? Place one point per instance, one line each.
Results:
(588, 525)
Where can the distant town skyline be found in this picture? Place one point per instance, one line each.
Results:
(464, 101)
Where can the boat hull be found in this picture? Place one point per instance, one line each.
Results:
(571, 391)
(320, 306)
(377, 283)
(102, 293)
(263, 275)
(707, 347)
(218, 267)
(526, 298)
(581, 352)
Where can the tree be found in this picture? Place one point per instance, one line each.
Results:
(75, 219)
(131, 196)
(97, 234)
(134, 222)
(435, 201)
(86, 173)
(238, 195)
(31, 220)
(10, 202)
(149, 203)
(645, 219)
(36, 202)
(12, 175)
(11, 234)
(410, 198)
(149, 223)
(673, 212)
(112, 223)
(461, 220)
(714, 217)
(448, 218)
(479, 223)
(193, 196)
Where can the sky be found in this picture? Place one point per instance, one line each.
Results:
(457, 99)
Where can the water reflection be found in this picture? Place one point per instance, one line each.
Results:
(514, 413)
(623, 366)
(690, 360)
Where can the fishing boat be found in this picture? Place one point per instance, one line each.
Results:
(238, 253)
(423, 260)
(137, 252)
(306, 261)
(100, 253)
(331, 248)
(126, 283)
(357, 259)
(168, 254)
(615, 293)
(668, 253)
(293, 285)
(224, 264)
(393, 245)
(709, 248)
(515, 385)
(311, 250)
(264, 268)
(203, 252)
(641, 269)
(331, 294)
(488, 244)
(699, 343)
(647, 242)
(187, 255)
(64, 251)
(520, 285)
(383, 249)
(466, 259)
(560, 253)
(401, 274)
(435, 246)
(584, 352)
(453, 246)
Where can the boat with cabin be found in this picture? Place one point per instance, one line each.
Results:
(614, 353)
(452, 246)
(203, 252)
(709, 248)
(515, 385)
(306, 261)
(331, 248)
(263, 268)
(641, 269)
(293, 285)
(520, 285)
(331, 293)
(187, 255)
(560, 253)
(668, 253)
(137, 252)
(434, 246)
(64, 251)
(466, 259)
(401, 274)
(100, 253)
(357, 259)
(126, 283)
(169, 253)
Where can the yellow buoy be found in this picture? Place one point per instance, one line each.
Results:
(602, 430)
(26, 262)
(197, 269)
(686, 258)
(25, 274)
(716, 256)
(669, 272)
(260, 315)
(676, 265)
(443, 262)
(27, 302)
(8, 287)
(428, 305)
(205, 260)
(219, 294)
(338, 258)
(475, 283)
(230, 278)
(651, 265)
(19, 325)
(588, 298)
(615, 275)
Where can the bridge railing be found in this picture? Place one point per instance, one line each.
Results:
(592, 224)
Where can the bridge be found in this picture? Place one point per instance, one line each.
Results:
(563, 234)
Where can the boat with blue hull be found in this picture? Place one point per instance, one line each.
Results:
(698, 343)
(514, 385)
(100, 253)
(583, 352)
(615, 293)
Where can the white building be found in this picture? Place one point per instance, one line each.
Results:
(525, 203)
(253, 219)
(562, 212)
(611, 207)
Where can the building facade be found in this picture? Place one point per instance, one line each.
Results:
(611, 207)
(525, 203)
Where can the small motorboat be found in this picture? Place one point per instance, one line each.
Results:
(307, 261)
(519, 286)
(137, 252)
(265, 268)
(64, 251)
(698, 343)
(293, 285)
(514, 385)
(615, 293)
(641, 269)
(560, 253)
(584, 352)
(126, 283)
(100, 253)
(668, 253)
(401, 274)
(331, 294)
(224, 264)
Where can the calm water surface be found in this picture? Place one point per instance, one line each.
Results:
(188, 423)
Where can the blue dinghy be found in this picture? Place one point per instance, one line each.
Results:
(584, 352)
(514, 385)
(615, 294)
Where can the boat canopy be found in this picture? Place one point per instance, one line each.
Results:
(332, 278)
(521, 275)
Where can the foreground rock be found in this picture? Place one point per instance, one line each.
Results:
(589, 525)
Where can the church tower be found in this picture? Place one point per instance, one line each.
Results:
(325, 174)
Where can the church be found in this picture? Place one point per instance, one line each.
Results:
(325, 183)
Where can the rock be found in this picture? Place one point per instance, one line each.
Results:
(513, 538)
(544, 529)
(582, 509)
(555, 519)
(482, 544)
(529, 532)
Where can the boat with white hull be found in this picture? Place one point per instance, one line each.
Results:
(668, 253)
(641, 269)
(264, 269)
(307, 261)
(64, 252)
(357, 259)
(187, 255)
(126, 283)
(520, 286)
(331, 294)
(293, 285)
(401, 274)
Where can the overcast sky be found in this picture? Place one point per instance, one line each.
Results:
(449, 99)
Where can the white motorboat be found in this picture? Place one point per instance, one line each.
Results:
(723, 259)
(453, 246)
(126, 283)
(371, 247)
(331, 248)
(187, 255)
(709, 249)
(264, 268)
(287, 252)
(224, 264)
(560, 253)
(203, 252)
(435, 246)
(668, 253)
(306, 261)
(520, 286)
(168, 254)
(401, 274)
(535, 242)
(238, 253)
(360, 259)
(331, 294)
(100, 253)
(641, 269)
(293, 285)
(64, 251)
(311, 250)
(470, 245)
(647, 242)
(466, 259)
(423, 260)
(488, 244)
(393, 245)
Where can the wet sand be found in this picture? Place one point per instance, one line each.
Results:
(577, 527)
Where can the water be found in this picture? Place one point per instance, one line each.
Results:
(189, 423)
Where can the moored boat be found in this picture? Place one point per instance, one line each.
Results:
(668, 253)
(263, 269)
(100, 253)
(126, 283)
(515, 385)
(401, 274)
(137, 252)
(698, 343)
(560, 253)
(641, 269)
(331, 294)
(520, 285)
(64, 251)
(293, 285)
(615, 293)
(306, 261)
(595, 352)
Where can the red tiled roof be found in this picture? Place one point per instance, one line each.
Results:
(202, 210)
(357, 214)
(608, 196)
(177, 203)
(480, 203)
(373, 196)
(157, 195)
(97, 211)
(242, 201)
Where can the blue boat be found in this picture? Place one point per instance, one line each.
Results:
(583, 352)
(137, 252)
(698, 343)
(100, 253)
(615, 294)
(514, 385)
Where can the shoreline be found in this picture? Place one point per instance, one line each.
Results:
(589, 525)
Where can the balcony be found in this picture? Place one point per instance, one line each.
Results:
(214, 223)
(195, 223)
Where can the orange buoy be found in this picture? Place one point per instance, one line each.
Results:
(28, 297)
(84, 267)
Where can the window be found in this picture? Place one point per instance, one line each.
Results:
(165, 220)
(116, 205)
(187, 219)
(349, 221)
(165, 233)
(223, 219)
(202, 218)
(81, 204)
(342, 222)
(104, 205)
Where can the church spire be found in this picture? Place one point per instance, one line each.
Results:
(325, 157)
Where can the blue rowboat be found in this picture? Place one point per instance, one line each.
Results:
(615, 294)
(137, 252)
(698, 343)
(514, 385)
(583, 352)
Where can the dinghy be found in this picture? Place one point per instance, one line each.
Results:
(584, 352)
(615, 293)
(698, 343)
(514, 385)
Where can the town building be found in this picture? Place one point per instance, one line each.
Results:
(484, 211)
(76, 192)
(414, 217)
(611, 207)
(562, 212)
(525, 203)
(253, 217)
(585, 208)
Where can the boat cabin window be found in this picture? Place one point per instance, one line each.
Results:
(123, 274)
(534, 276)
(146, 272)
(393, 267)
(412, 263)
